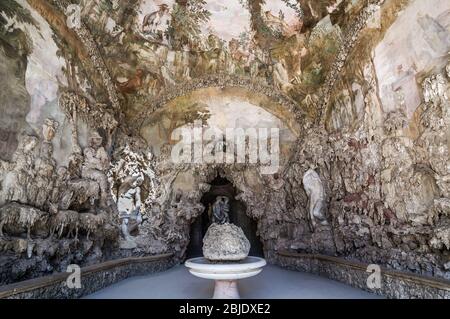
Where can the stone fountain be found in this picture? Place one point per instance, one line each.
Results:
(225, 251)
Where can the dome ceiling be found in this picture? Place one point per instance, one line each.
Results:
(126, 55)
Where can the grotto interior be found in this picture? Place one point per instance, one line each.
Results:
(222, 187)
(115, 145)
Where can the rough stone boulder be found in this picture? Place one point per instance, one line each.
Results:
(225, 242)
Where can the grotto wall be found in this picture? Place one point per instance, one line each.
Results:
(55, 205)
(385, 153)
(359, 89)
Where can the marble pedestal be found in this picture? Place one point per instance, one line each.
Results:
(225, 274)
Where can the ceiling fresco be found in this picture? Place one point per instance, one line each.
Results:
(151, 46)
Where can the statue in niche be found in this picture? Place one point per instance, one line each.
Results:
(316, 204)
(129, 205)
(221, 207)
(95, 166)
(17, 180)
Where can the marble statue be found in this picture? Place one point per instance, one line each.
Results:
(129, 200)
(314, 189)
(129, 206)
(221, 207)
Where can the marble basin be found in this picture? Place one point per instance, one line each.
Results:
(225, 274)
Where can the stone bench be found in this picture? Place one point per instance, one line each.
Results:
(394, 284)
(93, 278)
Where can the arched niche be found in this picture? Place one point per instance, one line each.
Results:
(229, 107)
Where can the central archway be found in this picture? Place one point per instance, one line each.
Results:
(184, 185)
(223, 187)
(222, 108)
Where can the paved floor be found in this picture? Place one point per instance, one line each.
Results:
(272, 282)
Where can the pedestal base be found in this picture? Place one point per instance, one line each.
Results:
(226, 289)
(224, 274)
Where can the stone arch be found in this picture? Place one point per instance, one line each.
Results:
(223, 108)
(251, 189)
(222, 81)
(263, 195)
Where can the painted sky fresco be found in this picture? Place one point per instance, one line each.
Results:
(228, 18)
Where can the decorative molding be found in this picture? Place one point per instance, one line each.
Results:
(222, 81)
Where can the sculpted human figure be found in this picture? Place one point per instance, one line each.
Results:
(42, 186)
(314, 189)
(129, 205)
(16, 181)
(95, 165)
(221, 207)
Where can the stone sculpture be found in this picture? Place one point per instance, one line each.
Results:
(221, 207)
(129, 200)
(17, 180)
(314, 189)
(225, 242)
(92, 222)
(129, 205)
(95, 166)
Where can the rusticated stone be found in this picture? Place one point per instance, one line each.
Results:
(225, 242)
